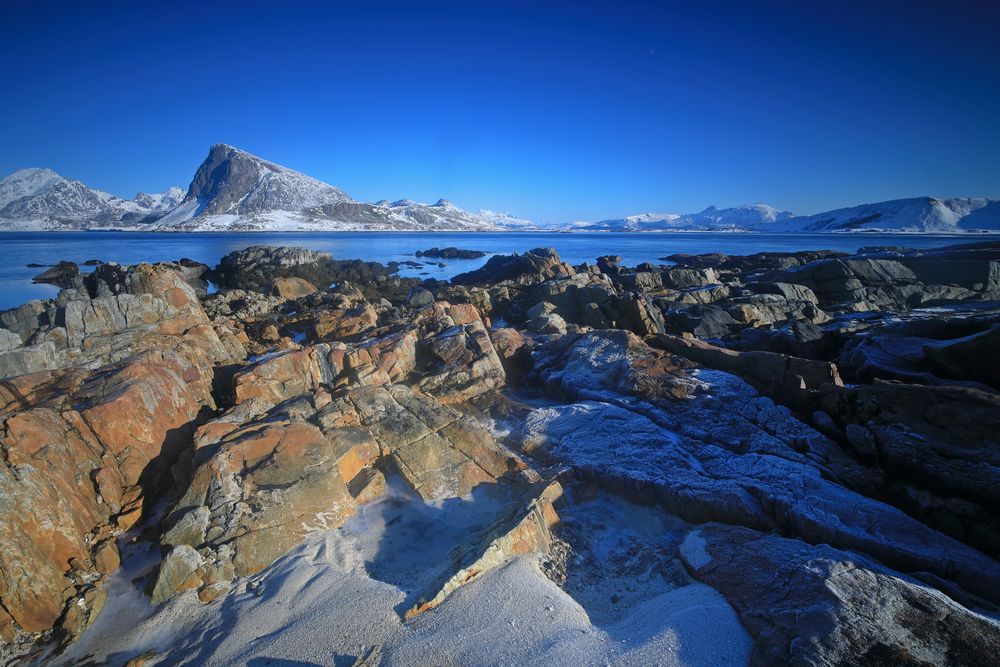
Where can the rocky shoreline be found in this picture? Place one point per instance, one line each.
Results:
(819, 433)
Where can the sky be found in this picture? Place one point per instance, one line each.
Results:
(552, 111)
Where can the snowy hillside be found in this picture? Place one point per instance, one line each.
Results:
(42, 199)
(918, 214)
(738, 218)
(234, 190)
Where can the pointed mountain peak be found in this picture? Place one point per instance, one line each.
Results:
(232, 181)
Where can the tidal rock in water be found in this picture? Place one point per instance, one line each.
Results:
(451, 252)
(64, 274)
(534, 266)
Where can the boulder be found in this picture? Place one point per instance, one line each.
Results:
(64, 274)
(291, 287)
(818, 605)
(455, 354)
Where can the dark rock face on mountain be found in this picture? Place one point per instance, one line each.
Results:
(809, 447)
(231, 181)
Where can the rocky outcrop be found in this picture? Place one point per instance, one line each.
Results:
(451, 252)
(64, 274)
(729, 455)
(533, 267)
(817, 605)
(260, 486)
(789, 380)
(872, 500)
(257, 267)
(81, 454)
(158, 310)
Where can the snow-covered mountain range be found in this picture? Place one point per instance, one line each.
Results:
(233, 190)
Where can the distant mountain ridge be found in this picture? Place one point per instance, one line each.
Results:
(233, 190)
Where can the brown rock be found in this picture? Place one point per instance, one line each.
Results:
(291, 287)
(106, 558)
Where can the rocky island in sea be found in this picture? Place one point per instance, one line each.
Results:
(776, 458)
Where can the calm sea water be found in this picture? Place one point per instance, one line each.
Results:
(19, 249)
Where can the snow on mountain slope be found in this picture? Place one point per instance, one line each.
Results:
(917, 214)
(740, 217)
(712, 218)
(236, 191)
(42, 199)
(232, 181)
(233, 190)
(164, 201)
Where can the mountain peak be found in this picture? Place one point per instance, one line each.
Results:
(232, 181)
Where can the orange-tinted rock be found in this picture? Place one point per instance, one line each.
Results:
(291, 287)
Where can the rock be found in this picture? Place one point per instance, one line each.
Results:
(940, 443)
(701, 322)
(451, 252)
(531, 268)
(81, 452)
(291, 287)
(477, 296)
(525, 530)
(345, 324)
(29, 359)
(976, 357)
(64, 274)
(158, 310)
(786, 379)
(685, 278)
(729, 456)
(255, 268)
(260, 486)
(9, 341)
(418, 297)
(106, 558)
(549, 323)
(179, 572)
(539, 309)
(514, 351)
(820, 605)
(940, 351)
(455, 354)
(242, 305)
(640, 315)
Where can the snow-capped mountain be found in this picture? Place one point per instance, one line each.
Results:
(918, 214)
(164, 201)
(233, 190)
(42, 199)
(737, 218)
(236, 191)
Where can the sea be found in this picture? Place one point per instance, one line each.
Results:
(18, 249)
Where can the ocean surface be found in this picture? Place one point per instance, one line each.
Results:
(18, 249)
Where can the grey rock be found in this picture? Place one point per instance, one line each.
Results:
(817, 605)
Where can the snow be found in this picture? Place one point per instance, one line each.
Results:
(281, 199)
(338, 595)
(917, 214)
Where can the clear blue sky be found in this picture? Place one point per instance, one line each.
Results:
(572, 111)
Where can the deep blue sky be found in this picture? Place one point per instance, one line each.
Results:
(574, 111)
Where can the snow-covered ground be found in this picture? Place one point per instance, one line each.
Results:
(338, 596)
